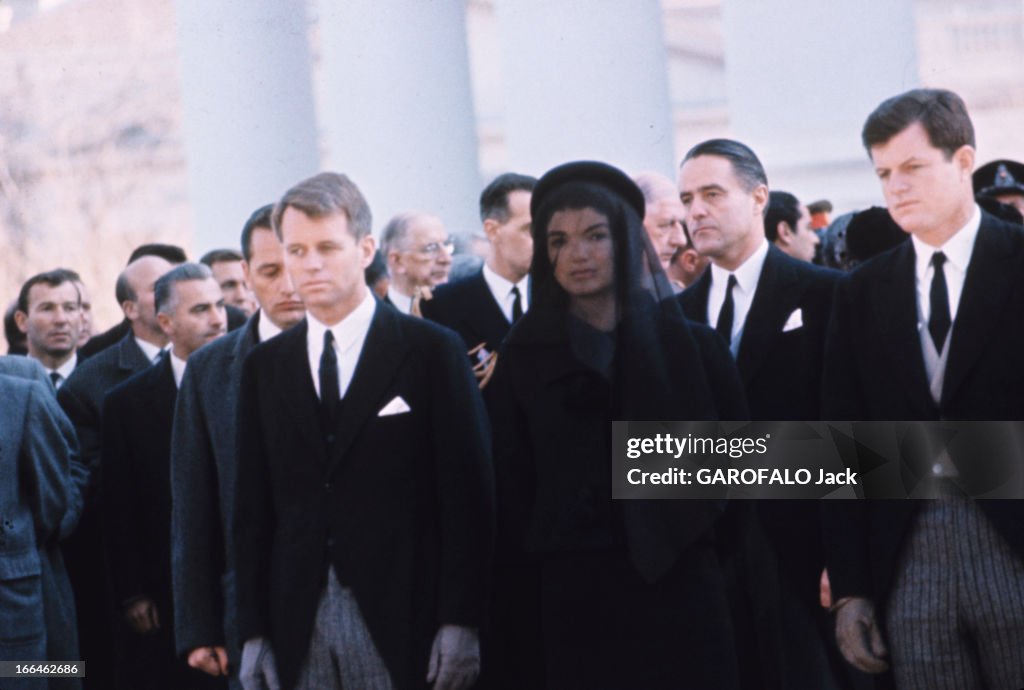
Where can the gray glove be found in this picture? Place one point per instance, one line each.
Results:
(258, 669)
(859, 636)
(454, 658)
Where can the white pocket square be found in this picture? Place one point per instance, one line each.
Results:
(795, 320)
(396, 406)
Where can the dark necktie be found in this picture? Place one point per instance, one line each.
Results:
(56, 378)
(725, 316)
(939, 322)
(517, 305)
(329, 394)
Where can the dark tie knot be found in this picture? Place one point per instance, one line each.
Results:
(938, 259)
(732, 282)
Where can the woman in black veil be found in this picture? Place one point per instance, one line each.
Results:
(624, 594)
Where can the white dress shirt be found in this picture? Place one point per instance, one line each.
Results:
(64, 370)
(403, 303)
(349, 336)
(747, 275)
(501, 289)
(265, 328)
(178, 367)
(958, 250)
(151, 351)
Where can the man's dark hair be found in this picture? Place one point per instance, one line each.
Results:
(782, 206)
(745, 162)
(218, 255)
(494, 198)
(17, 342)
(53, 278)
(324, 195)
(123, 290)
(164, 298)
(260, 218)
(172, 253)
(942, 113)
(377, 269)
(71, 274)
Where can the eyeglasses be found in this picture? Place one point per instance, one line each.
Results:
(435, 248)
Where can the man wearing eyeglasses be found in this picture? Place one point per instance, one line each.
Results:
(419, 255)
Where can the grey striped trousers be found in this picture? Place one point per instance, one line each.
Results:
(341, 653)
(956, 613)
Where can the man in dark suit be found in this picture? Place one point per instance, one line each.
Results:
(203, 459)
(81, 397)
(137, 419)
(787, 225)
(364, 522)
(930, 330)
(482, 307)
(418, 252)
(772, 311)
(50, 315)
(170, 253)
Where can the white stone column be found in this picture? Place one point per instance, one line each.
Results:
(803, 75)
(585, 79)
(396, 106)
(249, 117)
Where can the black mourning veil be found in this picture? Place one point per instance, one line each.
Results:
(656, 370)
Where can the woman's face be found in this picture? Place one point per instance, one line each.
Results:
(581, 253)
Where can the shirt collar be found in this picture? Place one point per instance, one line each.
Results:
(347, 331)
(67, 367)
(502, 287)
(149, 349)
(178, 367)
(957, 248)
(747, 273)
(64, 369)
(265, 328)
(402, 303)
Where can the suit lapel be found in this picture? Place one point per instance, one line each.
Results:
(295, 384)
(130, 356)
(694, 299)
(986, 290)
(379, 362)
(164, 393)
(493, 325)
(776, 297)
(895, 300)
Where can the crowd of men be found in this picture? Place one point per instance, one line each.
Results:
(276, 471)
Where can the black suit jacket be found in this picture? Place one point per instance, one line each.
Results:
(781, 371)
(875, 370)
(203, 468)
(401, 505)
(136, 491)
(467, 307)
(82, 394)
(136, 505)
